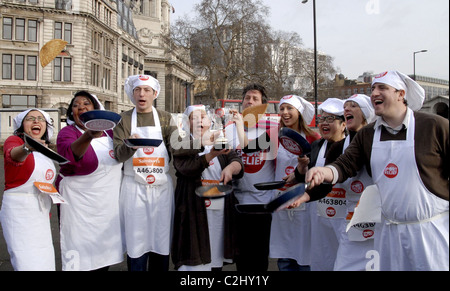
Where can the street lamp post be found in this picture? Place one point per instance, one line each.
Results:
(315, 60)
(414, 62)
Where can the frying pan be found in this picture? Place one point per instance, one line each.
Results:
(99, 120)
(294, 142)
(37, 146)
(224, 189)
(269, 185)
(142, 142)
(286, 198)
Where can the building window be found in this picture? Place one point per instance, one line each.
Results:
(19, 101)
(62, 69)
(94, 74)
(19, 67)
(32, 30)
(58, 30)
(31, 68)
(20, 29)
(7, 67)
(7, 28)
(66, 34)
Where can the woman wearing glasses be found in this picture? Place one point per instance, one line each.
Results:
(354, 244)
(25, 211)
(327, 213)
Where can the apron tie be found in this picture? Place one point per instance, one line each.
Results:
(394, 222)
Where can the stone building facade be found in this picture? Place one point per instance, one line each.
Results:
(108, 40)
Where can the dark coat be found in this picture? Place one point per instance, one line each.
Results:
(333, 151)
(190, 243)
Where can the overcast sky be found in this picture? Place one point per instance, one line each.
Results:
(365, 35)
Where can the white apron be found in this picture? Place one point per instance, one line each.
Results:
(354, 244)
(147, 196)
(327, 221)
(215, 215)
(291, 228)
(25, 218)
(91, 235)
(259, 167)
(414, 231)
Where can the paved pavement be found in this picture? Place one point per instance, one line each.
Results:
(5, 264)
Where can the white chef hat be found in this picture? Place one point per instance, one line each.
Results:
(415, 94)
(141, 80)
(17, 122)
(191, 108)
(187, 113)
(365, 104)
(305, 108)
(333, 106)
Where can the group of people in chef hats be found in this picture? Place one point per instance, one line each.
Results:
(377, 180)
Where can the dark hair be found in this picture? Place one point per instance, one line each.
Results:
(20, 131)
(69, 113)
(256, 87)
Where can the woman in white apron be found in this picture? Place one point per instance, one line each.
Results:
(328, 213)
(354, 244)
(291, 229)
(204, 229)
(147, 195)
(90, 230)
(395, 171)
(25, 213)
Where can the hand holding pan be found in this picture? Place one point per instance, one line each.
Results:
(39, 147)
(294, 142)
(285, 199)
(213, 191)
(100, 120)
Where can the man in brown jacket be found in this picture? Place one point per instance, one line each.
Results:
(406, 153)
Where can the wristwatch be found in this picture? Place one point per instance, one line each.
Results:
(27, 150)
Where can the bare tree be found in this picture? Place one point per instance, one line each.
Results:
(230, 44)
(222, 38)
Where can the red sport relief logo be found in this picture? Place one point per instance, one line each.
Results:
(49, 174)
(368, 233)
(150, 179)
(253, 162)
(289, 170)
(357, 187)
(143, 78)
(391, 171)
(148, 151)
(331, 212)
(381, 75)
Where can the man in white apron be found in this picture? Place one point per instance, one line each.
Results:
(259, 166)
(147, 197)
(411, 173)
